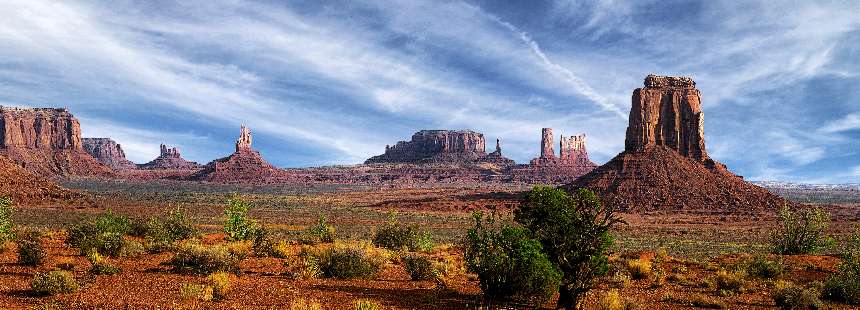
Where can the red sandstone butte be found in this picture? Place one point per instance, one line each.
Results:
(571, 163)
(441, 146)
(47, 142)
(108, 152)
(245, 165)
(170, 158)
(665, 165)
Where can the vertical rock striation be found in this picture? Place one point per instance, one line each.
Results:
(546, 150)
(108, 152)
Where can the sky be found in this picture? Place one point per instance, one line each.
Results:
(333, 82)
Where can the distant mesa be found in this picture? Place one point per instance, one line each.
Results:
(108, 152)
(442, 146)
(244, 165)
(170, 159)
(665, 165)
(47, 142)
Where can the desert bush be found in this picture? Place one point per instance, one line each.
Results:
(349, 261)
(639, 269)
(66, 264)
(240, 249)
(702, 301)
(7, 208)
(321, 232)
(304, 265)
(509, 262)
(54, 282)
(30, 249)
(100, 265)
(396, 236)
(237, 225)
(791, 297)
(764, 268)
(419, 267)
(800, 232)
(220, 283)
(197, 258)
(612, 300)
(729, 281)
(844, 284)
(104, 234)
(574, 230)
(131, 248)
(366, 304)
(304, 304)
(162, 234)
(191, 291)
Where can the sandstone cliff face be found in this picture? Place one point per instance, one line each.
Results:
(108, 152)
(170, 159)
(46, 142)
(546, 150)
(665, 166)
(436, 146)
(244, 165)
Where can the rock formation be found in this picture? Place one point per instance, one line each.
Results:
(170, 159)
(28, 189)
(665, 165)
(546, 150)
(571, 163)
(47, 142)
(244, 165)
(108, 152)
(437, 146)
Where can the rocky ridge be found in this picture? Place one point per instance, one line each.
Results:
(170, 158)
(244, 165)
(27, 189)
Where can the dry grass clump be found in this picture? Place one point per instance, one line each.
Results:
(702, 301)
(612, 300)
(100, 265)
(305, 304)
(789, 296)
(348, 260)
(220, 283)
(730, 281)
(197, 258)
(54, 282)
(366, 304)
(639, 269)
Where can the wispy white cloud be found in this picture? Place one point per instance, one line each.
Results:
(849, 122)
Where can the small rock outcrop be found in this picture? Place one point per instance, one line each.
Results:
(244, 165)
(170, 159)
(571, 162)
(437, 146)
(665, 166)
(47, 142)
(108, 152)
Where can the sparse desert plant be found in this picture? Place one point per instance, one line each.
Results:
(396, 236)
(54, 282)
(162, 234)
(574, 230)
(844, 285)
(240, 249)
(237, 225)
(66, 264)
(509, 262)
(305, 304)
(197, 258)
(800, 232)
(7, 208)
(103, 234)
(791, 297)
(31, 252)
(419, 267)
(349, 261)
(100, 265)
(730, 281)
(366, 304)
(639, 268)
(131, 248)
(191, 291)
(220, 283)
(612, 300)
(764, 268)
(703, 301)
(304, 266)
(321, 232)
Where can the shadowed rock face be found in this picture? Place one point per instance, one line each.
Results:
(46, 142)
(439, 146)
(170, 159)
(108, 152)
(665, 166)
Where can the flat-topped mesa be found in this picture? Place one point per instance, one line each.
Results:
(47, 142)
(108, 152)
(667, 112)
(436, 146)
(169, 159)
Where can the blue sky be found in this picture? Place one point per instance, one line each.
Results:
(332, 82)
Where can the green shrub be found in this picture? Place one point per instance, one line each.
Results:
(801, 232)
(30, 249)
(790, 297)
(162, 234)
(321, 232)
(201, 259)
(54, 282)
(238, 226)
(574, 230)
(7, 208)
(100, 265)
(419, 267)
(844, 285)
(104, 234)
(509, 262)
(763, 268)
(349, 262)
(396, 236)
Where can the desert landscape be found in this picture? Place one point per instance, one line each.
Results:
(462, 154)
